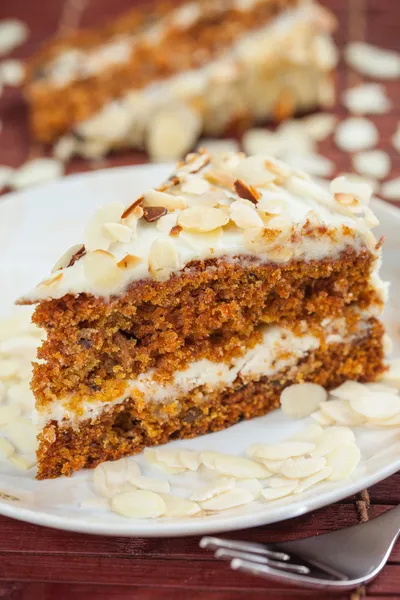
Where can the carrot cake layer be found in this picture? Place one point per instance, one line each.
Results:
(206, 397)
(203, 66)
(200, 269)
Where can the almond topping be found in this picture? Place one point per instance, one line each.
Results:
(153, 213)
(248, 192)
(132, 207)
(101, 270)
(49, 281)
(202, 218)
(129, 262)
(163, 258)
(175, 231)
(168, 201)
(380, 242)
(69, 257)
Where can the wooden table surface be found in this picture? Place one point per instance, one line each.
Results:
(43, 564)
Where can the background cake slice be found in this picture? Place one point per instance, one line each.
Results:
(161, 75)
(195, 306)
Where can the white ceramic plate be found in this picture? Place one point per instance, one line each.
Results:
(36, 226)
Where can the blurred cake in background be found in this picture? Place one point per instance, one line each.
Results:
(160, 76)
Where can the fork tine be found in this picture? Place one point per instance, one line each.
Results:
(214, 543)
(226, 554)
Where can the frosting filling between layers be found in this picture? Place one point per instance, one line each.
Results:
(279, 349)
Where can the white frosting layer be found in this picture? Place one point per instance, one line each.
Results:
(279, 349)
(305, 220)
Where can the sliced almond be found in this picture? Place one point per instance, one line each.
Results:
(66, 258)
(22, 433)
(374, 163)
(340, 412)
(331, 438)
(172, 131)
(6, 448)
(301, 467)
(226, 500)
(196, 185)
(376, 405)
(248, 192)
(391, 189)
(275, 493)
(35, 171)
(301, 399)
(113, 477)
(96, 237)
(163, 258)
(153, 213)
(349, 193)
(367, 98)
(214, 489)
(130, 261)
(343, 460)
(138, 504)
(101, 270)
(168, 201)
(8, 369)
(150, 485)
(282, 450)
(355, 134)
(253, 171)
(150, 455)
(202, 218)
(320, 125)
(175, 506)
(312, 480)
(118, 232)
(372, 61)
(310, 162)
(167, 222)
(244, 216)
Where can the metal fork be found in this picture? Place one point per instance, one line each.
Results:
(341, 560)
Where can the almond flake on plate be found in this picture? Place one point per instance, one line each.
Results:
(372, 61)
(348, 390)
(356, 133)
(310, 162)
(391, 189)
(151, 457)
(376, 405)
(22, 462)
(150, 485)
(298, 468)
(395, 139)
(319, 126)
(277, 481)
(113, 477)
(12, 72)
(367, 98)
(236, 466)
(175, 506)
(339, 411)
(275, 493)
(8, 414)
(343, 460)
(22, 433)
(214, 489)
(251, 485)
(374, 163)
(6, 448)
(331, 438)
(281, 450)
(35, 171)
(8, 368)
(312, 480)
(301, 399)
(226, 500)
(138, 504)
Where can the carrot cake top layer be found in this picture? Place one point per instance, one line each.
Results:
(224, 205)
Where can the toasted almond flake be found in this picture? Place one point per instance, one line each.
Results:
(150, 485)
(220, 178)
(331, 438)
(271, 493)
(133, 208)
(355, 134)
(51, 281)
(311, 162)
(343, 460)
(244, 216)
(339, 411)
(150, 456)
(101, 270)
(282, 450)
(163, 258)
(370, 220)
(376, 405)
(357, 178)
(229, 499)
(342, 186)
(214, 489)
(153, 213)
(168, 201)
(248, 192)
(130, 261)
(8, 414)
(8, 369)
(35, 171)
(367, 98)
(13, 32)
(253, 171)
(391, 189)
(372, 61)
(312, 480)
(374, 163)
(138, 504)
(22, 433)
(217, 146)
(302, 399)
(319, 126)
(175, 506)
(12, 72)
(172, 131)
(273, 206)
(113, 477)
(66, 258)
(194, 162)
(196, 186)
(202, 218)
(6, 448)
(301, 467)
(312, 433)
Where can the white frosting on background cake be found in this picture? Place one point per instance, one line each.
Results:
(289, 217)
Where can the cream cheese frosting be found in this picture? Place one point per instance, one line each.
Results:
(214, 206)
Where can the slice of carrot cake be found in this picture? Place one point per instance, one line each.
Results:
(160, 76)
(192, 308)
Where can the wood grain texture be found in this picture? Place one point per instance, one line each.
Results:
(43, 564)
